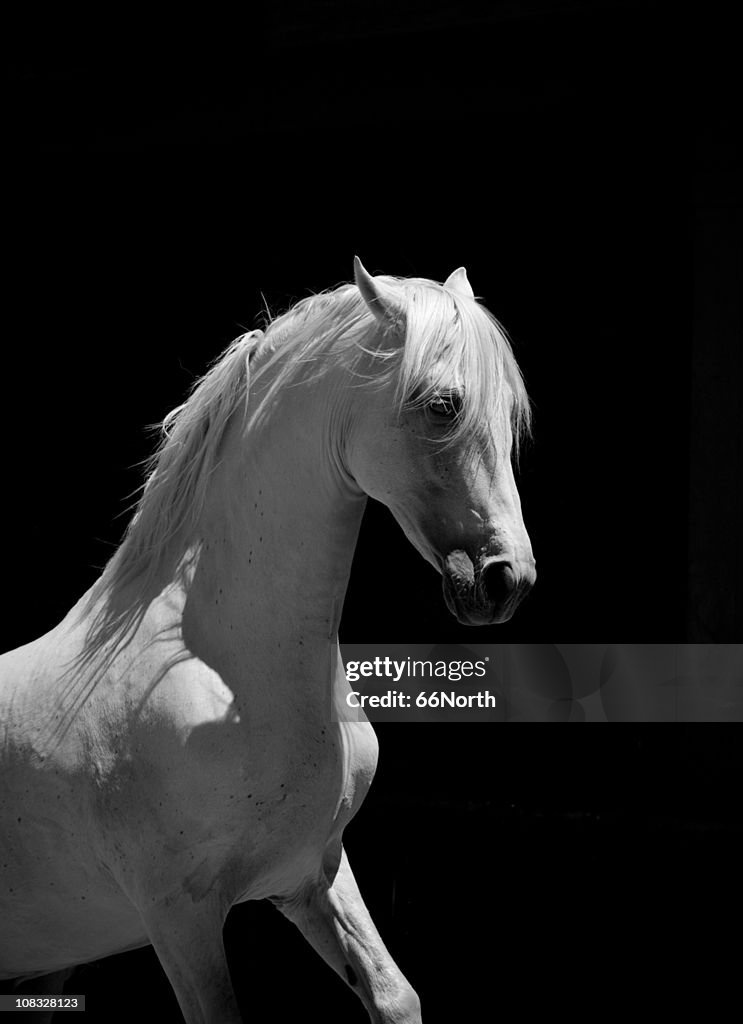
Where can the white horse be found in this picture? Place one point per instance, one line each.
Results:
(168, 749)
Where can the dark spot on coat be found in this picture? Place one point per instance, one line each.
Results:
(351, 975)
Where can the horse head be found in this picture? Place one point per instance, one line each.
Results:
(434, 441)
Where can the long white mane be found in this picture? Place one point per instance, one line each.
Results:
(447, 336)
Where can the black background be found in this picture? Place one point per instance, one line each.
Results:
(165, 182)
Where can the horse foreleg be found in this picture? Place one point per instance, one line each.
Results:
(187, 937)
(334, 920)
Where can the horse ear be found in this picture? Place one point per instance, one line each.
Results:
(457, 282)
(377, 296)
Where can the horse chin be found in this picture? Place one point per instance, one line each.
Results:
(466, 609)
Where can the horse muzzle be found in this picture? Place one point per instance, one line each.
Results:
(488, 594)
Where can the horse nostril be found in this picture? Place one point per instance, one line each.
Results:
(498, 581)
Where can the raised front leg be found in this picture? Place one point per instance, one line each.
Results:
(187, 937)
(334, 920)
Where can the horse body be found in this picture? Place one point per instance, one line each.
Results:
(151, 799)
(189, 759)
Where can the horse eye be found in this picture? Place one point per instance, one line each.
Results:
(445, 406)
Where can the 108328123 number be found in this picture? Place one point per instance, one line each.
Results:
(41, 1002)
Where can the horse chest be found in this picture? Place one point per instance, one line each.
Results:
(247, 810)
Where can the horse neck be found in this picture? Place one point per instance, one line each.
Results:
(278, 535)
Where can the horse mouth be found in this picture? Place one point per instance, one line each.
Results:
(468, 607)
(477, 598)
